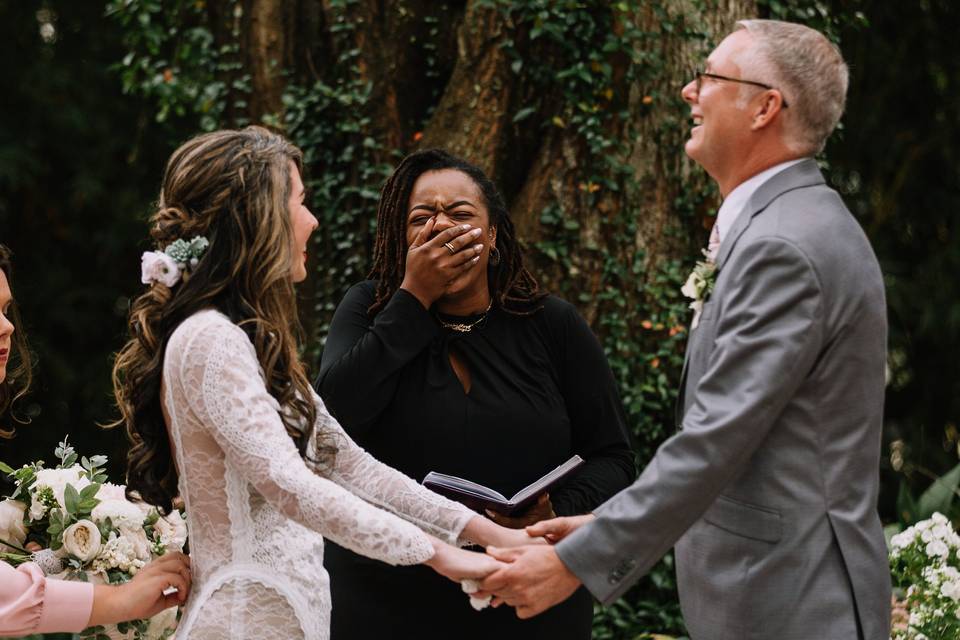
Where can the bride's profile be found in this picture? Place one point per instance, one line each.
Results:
(220, 411)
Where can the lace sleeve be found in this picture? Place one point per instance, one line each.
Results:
(223, 385)
(377, 483)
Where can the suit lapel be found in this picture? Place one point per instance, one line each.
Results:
(802, 174)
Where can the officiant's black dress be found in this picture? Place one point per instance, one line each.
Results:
(541, 390)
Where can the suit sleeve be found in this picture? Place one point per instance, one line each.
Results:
(769, 332)
(360, 354)
(596, 418)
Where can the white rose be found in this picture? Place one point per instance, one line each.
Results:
(12, 528)
(173, 531)
(82, 540)
(110, 491)
(57, 480)
(156, 266)
(122, 514)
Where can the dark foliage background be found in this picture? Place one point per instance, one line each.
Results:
(83, 138)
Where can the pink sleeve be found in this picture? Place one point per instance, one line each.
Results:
(29, 603)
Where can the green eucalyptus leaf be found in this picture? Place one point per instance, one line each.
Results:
(71, 499)
(89, 491)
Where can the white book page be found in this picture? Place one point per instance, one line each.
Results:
(464, 485)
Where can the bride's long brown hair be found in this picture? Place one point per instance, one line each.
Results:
(232, 187)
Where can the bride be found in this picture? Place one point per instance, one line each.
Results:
(220, 411)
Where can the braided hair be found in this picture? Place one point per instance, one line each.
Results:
(512, 287)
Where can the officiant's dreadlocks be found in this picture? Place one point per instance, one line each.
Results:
(512, 286)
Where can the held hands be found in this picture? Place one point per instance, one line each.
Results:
(434, 263)
(460, 564)
(534, 578)
(143, 597)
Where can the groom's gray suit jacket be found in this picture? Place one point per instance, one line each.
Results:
(769, 489)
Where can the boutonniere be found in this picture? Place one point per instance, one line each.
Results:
(699, 286)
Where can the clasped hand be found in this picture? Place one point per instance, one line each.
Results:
(532, 578)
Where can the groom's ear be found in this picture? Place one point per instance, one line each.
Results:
(767, 109)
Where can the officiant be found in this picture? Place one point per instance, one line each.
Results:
(452, 359)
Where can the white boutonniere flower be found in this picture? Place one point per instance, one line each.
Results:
(699, 286)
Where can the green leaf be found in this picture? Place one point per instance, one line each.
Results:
(939, 495)
(89, 491)
(524, 113)
(7, 469)
(71, 499)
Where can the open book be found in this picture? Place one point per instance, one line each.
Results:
(479, 497)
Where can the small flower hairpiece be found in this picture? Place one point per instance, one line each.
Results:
(167, 266)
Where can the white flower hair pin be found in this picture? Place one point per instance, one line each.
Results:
(167, 266)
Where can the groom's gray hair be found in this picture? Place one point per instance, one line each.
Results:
(808, 70)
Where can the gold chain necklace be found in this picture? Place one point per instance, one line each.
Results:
(464, 327)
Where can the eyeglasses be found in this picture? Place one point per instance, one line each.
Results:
(700, 75)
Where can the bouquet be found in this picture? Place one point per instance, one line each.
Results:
(89, 531)
(925, 561)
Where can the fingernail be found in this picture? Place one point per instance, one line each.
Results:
(477, 259)
(478, 248)
(476, 232)
(465, 227)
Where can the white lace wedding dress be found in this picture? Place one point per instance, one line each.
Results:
(256, 514)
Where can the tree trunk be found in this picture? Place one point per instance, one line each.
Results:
(481, 82)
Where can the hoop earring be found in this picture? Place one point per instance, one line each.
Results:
(494, 256)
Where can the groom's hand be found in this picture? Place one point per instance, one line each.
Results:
(534, 579)
(557, 529)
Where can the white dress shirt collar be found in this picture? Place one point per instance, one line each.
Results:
(737, 199)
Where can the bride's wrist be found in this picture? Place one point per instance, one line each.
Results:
(438, 547)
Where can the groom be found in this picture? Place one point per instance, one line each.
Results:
(769, 489)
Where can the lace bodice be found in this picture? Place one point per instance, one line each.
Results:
(256, 513)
